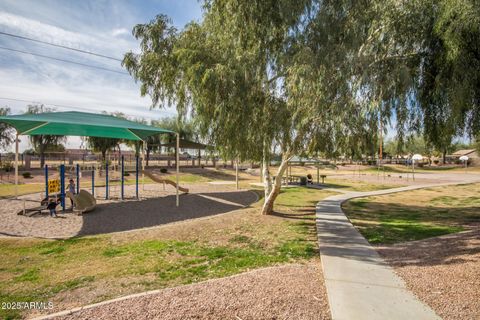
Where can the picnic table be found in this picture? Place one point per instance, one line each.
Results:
(323, 176)
(296, 179)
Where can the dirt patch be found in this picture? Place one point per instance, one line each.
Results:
(444, 272)
(291, 291)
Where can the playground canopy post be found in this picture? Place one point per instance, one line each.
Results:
(62, 186)
(78, 178)
(83, 124)
(46, 182)
(177, 160)
(93, 181)
(136, 177)
(106, 180)
(123, 177)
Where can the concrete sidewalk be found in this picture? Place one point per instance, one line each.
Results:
(360, 285)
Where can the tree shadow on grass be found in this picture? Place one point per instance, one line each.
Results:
(425, 235)
(452, 249)
(366, 210)
(213, 174)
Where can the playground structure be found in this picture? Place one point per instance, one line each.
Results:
(87, 124)
(158, 179)
(111, 173)
(82, 201)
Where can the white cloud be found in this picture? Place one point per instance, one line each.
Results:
(120, 32)
(102, 27)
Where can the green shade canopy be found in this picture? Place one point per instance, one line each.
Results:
(186, 144)
(72, 123)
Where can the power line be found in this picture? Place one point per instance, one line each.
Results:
(63, 60)
(66, 106)
(59, 46)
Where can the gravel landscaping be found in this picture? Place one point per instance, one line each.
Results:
(294, 291)
(444, 272)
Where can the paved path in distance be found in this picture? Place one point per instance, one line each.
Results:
(360, 284)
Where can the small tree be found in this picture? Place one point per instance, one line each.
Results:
(6, 131)
(103, 145)
(43, 142)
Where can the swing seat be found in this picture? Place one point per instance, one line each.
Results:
(82, 202)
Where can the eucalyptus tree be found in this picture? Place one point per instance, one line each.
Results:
(311, 75)
(41, 143)
(6, 131)
(456, 62)
(228, 73)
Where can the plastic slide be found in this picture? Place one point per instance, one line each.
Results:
(157, 179)
(83, 202)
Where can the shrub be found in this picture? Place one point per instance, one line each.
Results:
(126, 174)
(436, 161)
(27, 175)
(163, 170)
(7, 166)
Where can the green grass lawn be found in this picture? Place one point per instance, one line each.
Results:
(50, 270)
(416, 215)
(356, 185)
(404, 169)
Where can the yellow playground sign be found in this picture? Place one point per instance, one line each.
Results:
(53, 186)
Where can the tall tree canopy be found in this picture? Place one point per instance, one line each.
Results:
(43, 143)
(309, 75)
(102, 145)
(6, 131)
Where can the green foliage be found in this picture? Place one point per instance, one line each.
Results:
(7, 166)
(316, 77)
(44, 143)
(102, 145)
(27, 175)
(6, 132)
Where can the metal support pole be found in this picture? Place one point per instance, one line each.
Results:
(106, 181)
(136, 176)
(16, 165)
(93, 182)
(123, 178)
(236, 172)
(46, 182)
(62, 186)
(177, 160)
(143, 165)
(78, 178)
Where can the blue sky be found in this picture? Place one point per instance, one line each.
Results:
(101, 26)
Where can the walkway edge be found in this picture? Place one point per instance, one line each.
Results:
(359, 283)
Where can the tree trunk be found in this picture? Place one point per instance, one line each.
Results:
(42, 160)
(266, 177)
(148, 157)
(271, 192)
(42, 156)
(444, 156)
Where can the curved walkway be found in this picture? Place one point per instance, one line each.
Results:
(360, 284)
